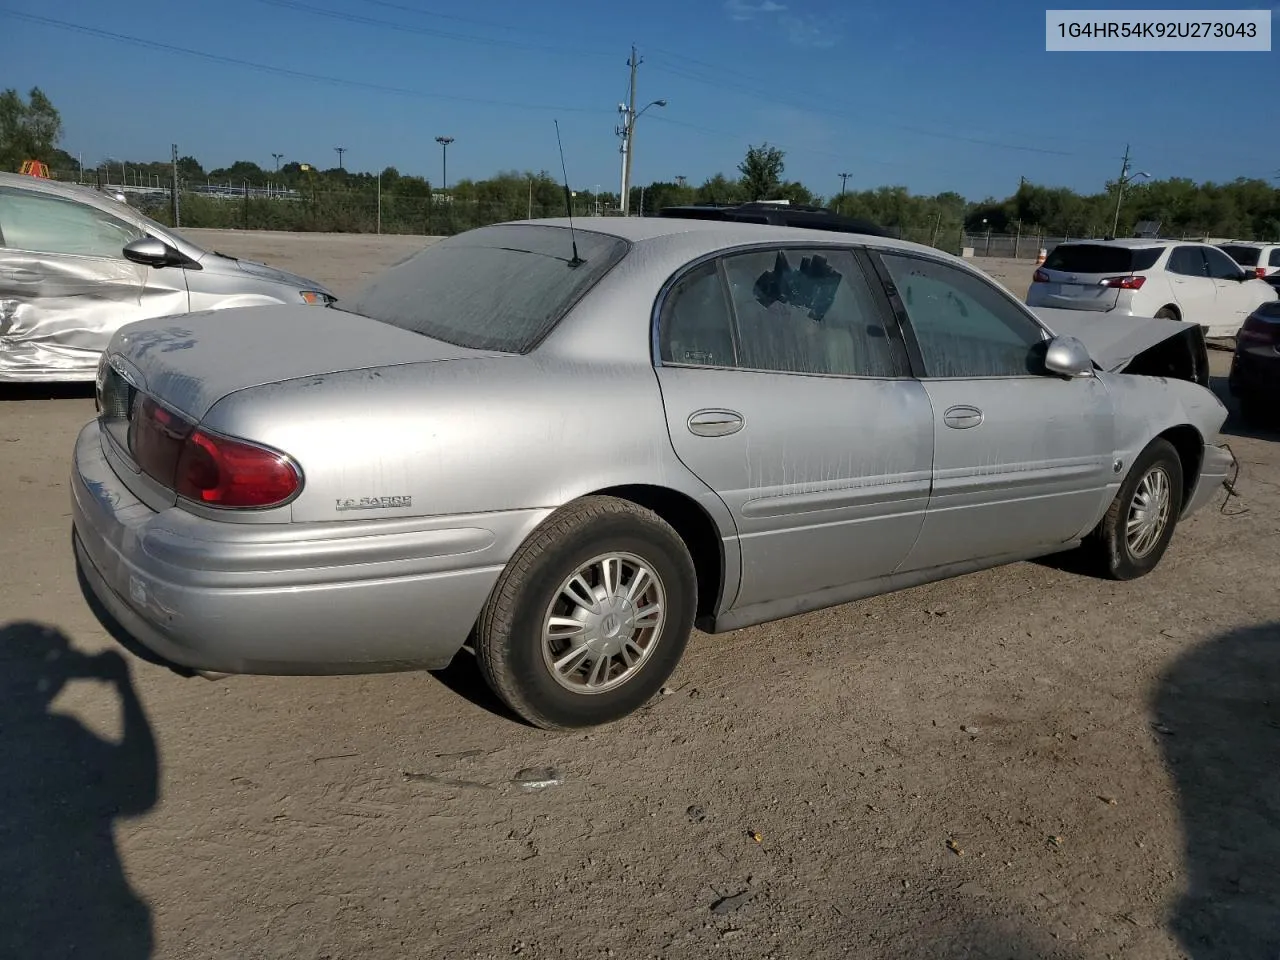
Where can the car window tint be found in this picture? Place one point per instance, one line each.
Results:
(810, 311)
(695, 327)
(499, 288)
(1274, 260)
(1188, 262)
(1090, 258)
(965, 326)
(1146, 257)
(45, 224)
(1221, 267)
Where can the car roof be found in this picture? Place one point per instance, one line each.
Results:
(712, 235)
(1128, 242)
(57, 188)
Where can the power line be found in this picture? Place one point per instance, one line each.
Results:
(849, 115)
(399, 27)
(285, 71)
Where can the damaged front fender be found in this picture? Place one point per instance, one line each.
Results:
(1142, 346)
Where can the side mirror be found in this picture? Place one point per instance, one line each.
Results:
(151, 252)
(1067, 357)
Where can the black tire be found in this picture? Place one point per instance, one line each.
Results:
(1112, 551)
(509, 635)
(1167, 313)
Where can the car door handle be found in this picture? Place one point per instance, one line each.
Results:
(962, 417)
(715, 423)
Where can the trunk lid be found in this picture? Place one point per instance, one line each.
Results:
(192, 361)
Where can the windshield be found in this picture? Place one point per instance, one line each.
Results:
(498, 288)
(1100, 258)
(1245, 256)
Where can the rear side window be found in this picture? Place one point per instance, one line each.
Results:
(696, 327)
(810, 311)
(1188, 262)
(1245, 256)
(499, 288)
(1100, 258)
(1274, 261)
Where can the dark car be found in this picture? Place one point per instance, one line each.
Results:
(1255, 368)
(778, 214)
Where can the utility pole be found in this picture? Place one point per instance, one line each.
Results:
(379, 227)
(279, 157)
(1123, 182)
(340, 151)
(844, 181)
(529, 216)
(634, 64)
(628, 131)
(174, 196)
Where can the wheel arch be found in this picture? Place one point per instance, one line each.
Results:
(1189, 444)
(698, 531)
(1172, 308)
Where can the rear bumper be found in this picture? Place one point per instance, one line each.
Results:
(1214, 470)
(320, 598)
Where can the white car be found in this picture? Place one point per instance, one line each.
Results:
(1262, 258)
(1170, 279)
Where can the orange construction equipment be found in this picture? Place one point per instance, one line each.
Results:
(34, 168)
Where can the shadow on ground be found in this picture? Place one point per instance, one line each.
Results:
(1235, 425)
(15, 392)
(1221, 702)
(463, 678)
(63, 891)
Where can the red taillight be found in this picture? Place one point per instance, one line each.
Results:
(1124, 283)
(1260, 271)
(205, 467)
(223, 472)
(1258, 329)
(1040, 277)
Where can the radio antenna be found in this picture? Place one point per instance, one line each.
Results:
(568, 201)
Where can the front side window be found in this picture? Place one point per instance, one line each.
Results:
(1221, 267)
(811, 312)
(46, 224)
(1188, 262)
(499, 288)
(964, 325)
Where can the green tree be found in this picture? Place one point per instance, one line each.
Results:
(29, 130)
(761, 171)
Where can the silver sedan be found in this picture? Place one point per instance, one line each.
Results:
(562, 446)
(77, 265)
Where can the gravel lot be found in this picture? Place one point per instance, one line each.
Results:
(1024, 762)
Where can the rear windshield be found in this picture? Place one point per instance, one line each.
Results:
(498, 288)
(1099, 258)
(1245, 256)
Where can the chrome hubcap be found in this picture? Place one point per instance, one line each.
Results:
(604, 623)
(1148, 513)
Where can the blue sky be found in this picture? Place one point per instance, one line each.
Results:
(931, 94)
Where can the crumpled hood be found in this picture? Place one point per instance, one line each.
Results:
(1113, 341)
(191, 362)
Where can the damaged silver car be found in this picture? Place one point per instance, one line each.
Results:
(562, 446)
(77, 265)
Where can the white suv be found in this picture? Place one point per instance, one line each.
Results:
(1262, 258)
(1174, 279)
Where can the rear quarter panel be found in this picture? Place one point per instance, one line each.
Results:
(462, 436)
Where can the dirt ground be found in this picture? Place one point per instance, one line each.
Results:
(1025, 762)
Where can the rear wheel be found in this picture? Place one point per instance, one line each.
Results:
(1167, 313)
(591, 615)
(1137, 528)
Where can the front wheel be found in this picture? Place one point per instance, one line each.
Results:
(591, 615)
(1137, 528)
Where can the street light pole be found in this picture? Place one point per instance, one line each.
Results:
(340, 151)
(278, 157)
(844, 181)
(444, 160)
